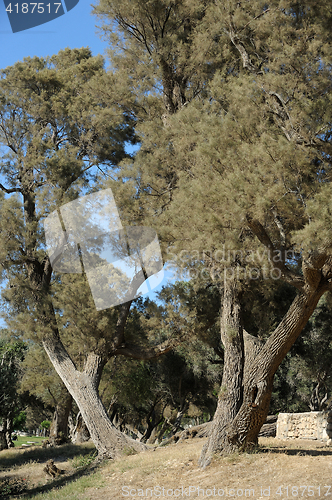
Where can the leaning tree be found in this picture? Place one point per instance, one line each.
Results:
(61, 129)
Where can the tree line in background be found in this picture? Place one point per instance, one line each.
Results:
(154, 400)
(228, 105)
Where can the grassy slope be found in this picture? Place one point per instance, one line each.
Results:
(277, 464)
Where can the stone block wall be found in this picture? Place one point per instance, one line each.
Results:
(310, 425)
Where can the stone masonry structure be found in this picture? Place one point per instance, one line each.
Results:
(310, 425)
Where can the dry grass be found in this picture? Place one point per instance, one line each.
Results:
(24, 466)
(292, 464)
(278, 463)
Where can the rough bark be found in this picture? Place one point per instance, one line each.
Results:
(241, 430)
(268, 430)
(231, 391)
(59, 425)
(83, 386)
(6, 433)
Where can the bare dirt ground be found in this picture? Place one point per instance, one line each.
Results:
(279, 470)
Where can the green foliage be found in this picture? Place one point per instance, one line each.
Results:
(11, 357)
(231, 106)
(19, 421)
(247, 130)
(13, 486)
(57, 127)
(304, 380)
(40, 379)
(45, 424)
(80, 461)
(137, 392)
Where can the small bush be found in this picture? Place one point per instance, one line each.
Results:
(12, 486)
(127, 450)
(84, 460)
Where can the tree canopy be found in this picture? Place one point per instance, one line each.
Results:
(229, 103)
(234, 165)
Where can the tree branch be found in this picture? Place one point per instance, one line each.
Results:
(142, 353)
(286, 274)
(246, 61)
(9, 191)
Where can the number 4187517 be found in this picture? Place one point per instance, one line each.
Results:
(30, 8)
(300, 491)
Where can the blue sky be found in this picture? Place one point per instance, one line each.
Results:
(75, 29)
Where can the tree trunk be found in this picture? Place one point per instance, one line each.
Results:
(153, 438)
(59, 425)
(6, 433)
(316, 402)
(163, 429)
(147, 434)
(3, 440)
(80, 433)
(240, 431)
(9, 430)
(83, 386)
(154, 418)
(178, 419)
(152, 423)
(230, 395)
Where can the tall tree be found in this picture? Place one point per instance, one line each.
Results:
(61, 131)
(239, 172)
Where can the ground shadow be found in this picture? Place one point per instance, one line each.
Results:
(18, 487)
(16, 484)
(41, 455)
(295, 451)
(60, 481)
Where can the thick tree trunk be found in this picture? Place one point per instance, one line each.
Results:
(83, 386)
(230, 395)
(59, 425)
(241, 430)
(6, 434)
